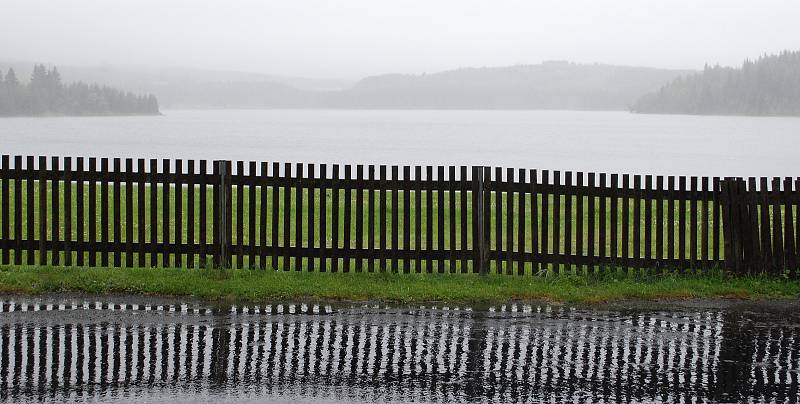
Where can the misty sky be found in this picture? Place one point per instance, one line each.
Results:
(353, 38)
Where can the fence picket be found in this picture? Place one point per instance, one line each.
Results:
(406, 218)
(535, 239)
(671, 255)
(660, 251)
(716, 215)
(777, 227)
(626, 214)
(371, 219)
(592, 218)
(141, 208)
(323, 218)
(312, 212)
(287, 212)
(251, 213)
(55, 217)
(451, 246)
(129, 220)
(557, 204)
(42, 210)
(116, 205)
(613, 238)
(428, 220)
(648, 218)
(417, 219)
(18, 212)
(604, 247)
(754, 259)
(382, 258)
(704, 226)
(347, 236)
(521, 222)
(766, 238)
(568, 219)
(191, 222)
(165, 213)
(693, 205)
(203, 225)
(298, 216)
(264, 184)
(440, 205)
(5, 224)
(637, 220)
(67, 178)
(178, 209)
(682, 223)
(359, 217)
(395, 190)
(92, 220)
(580, 192)
(509, 224)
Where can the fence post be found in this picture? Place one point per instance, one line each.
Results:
(477, 217)
(725, 208)
(222, 213)
(479, 239)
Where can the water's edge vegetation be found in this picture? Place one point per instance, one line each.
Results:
(46, 95)
(258, 285)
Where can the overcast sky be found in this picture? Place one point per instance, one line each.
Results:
(353, 38)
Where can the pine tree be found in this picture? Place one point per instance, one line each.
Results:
(11, 79)
(4, 98)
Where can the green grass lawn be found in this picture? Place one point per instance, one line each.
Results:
(438, 242)
(272, 285)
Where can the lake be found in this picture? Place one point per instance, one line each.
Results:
(568, 140)
(62, 348)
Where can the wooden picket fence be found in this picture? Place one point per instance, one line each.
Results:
(138, 213)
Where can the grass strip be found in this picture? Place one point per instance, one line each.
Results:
(254, 285)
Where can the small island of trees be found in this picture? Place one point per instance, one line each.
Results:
(769, 86)
(46, 95)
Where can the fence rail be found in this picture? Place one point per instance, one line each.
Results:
(377, 218)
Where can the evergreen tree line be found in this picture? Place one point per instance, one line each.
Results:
(767, 86)
(45, 94)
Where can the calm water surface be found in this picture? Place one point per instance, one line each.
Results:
(571, 140)
(121, 349)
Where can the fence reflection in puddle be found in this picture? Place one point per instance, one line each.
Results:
(73, 350)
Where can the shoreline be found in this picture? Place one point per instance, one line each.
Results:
(260, 286)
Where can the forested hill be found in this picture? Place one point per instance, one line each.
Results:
(46, 95)
(549, 85)
(767, 86)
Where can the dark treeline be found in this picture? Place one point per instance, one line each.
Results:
(767, 86)
(45, 94)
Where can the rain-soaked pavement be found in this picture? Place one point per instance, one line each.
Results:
(125, 348)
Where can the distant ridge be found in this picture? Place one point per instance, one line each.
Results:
(549, 85)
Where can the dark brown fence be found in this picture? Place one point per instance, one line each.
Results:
(378, 218)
